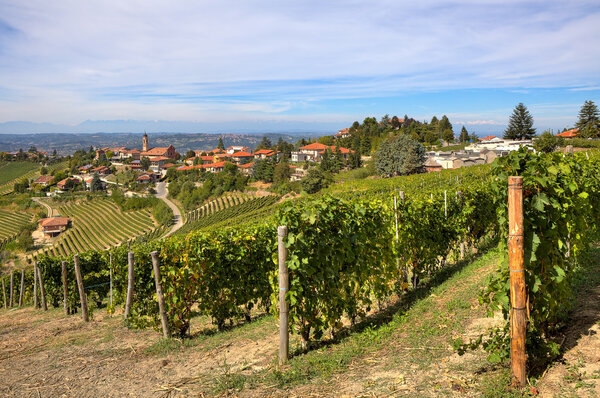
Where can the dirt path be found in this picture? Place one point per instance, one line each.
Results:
(46, 205)
(161, 193)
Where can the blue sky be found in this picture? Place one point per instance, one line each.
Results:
(297, 65)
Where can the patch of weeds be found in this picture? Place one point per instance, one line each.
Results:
(163, 347)
(228, 381)
(497, 384)
(575, 375)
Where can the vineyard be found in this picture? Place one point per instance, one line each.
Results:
(10, 224)
(12, 172)
(226, 211)
(351, 253)
(98, 224)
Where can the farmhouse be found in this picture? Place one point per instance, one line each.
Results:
(69, 181)
(147, 178)
(54, 225)
(569, 133)
(314, 151)
(43, 181)
(265, 154)
(242, 157)
(238, 148)
(343, 133)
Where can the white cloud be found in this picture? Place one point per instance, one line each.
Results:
(67, 61)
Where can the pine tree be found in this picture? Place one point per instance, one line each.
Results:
(520, 124)
(221, 146)
(589, 120)
(464, 135)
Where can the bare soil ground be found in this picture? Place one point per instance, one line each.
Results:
(49, 355)
(577, 373)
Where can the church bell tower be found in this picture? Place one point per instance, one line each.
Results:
(145, 143)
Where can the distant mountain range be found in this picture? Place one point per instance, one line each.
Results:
(67, 143)
(166, 126)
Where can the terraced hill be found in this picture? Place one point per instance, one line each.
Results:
(225, 209)
(10, 224)
(98, 224)
(12, 172)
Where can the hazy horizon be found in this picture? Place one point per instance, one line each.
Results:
(309, 66)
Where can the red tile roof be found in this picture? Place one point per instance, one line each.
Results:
(267, 152)
(242, 154)
(158, 151)
(166, 166)
(159, 158)
(247, 165)
(569, 133)
(44, 180)
(489, 137)
(315, 147)
(54, 221)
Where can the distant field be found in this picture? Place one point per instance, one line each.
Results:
(11, 222)
(12, 172)
(98, 224)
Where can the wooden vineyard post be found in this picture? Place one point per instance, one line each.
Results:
(446, 205)
(111, 280)
(22, 289)
(130, 279)
(42, 290)
(3, 292)
(35, 285)
(82, 297)
(284, 338)
(65, 288)
(12, 289)
(159, 295)
(518, 294)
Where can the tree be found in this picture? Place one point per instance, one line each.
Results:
(221, 146)
(395, 122)
(325, 140)
(399, 155)
(265, 143)
(96, 184)
(520, 124)
(448, 136)
(445, 124)
(282, 173)
(43, 171)
(464, 135)
(547, 142)
(589, 120)
(315, 180)
(145, 163)
(354, 161)
(263, 170)
(190, 154)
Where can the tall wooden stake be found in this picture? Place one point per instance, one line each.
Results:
(130, 280)
(3, 292)
(82, 297)
(35, 285)
(111, 280)
(65, 288)
(11, 301)
(159, 295)
(446, 204)
(518, 293)
(284, 338)
(22, 289)
(42, 290)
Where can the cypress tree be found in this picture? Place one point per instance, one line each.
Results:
(520, 124)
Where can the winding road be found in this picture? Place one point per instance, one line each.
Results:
(161, 193)
(46, 205)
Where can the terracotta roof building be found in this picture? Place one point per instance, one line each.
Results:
(569, 133)
(54, 225)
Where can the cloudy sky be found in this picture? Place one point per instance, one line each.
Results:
(289, 65)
